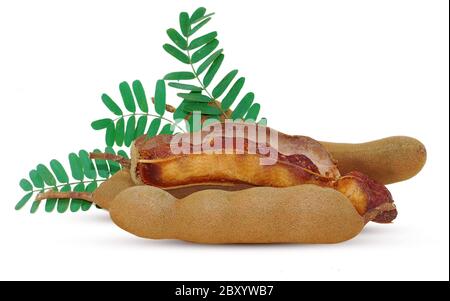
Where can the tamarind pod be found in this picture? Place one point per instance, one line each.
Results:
(155, 165)
(297, 214)
(107, 191)
(387, 160)
(365, 194)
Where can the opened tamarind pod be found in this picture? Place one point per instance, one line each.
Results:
(387, 160)
(154, 163)
(298, 214)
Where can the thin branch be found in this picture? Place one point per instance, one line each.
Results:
(216, 103)
(152, 115)
(107, 156)
(72, 183)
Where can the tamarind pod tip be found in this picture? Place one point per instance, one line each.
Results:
(388, 160)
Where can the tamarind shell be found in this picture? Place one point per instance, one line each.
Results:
(387, 160)
(108, 190)
(297, 214)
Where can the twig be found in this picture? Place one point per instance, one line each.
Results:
(50, 194)
(116, 158)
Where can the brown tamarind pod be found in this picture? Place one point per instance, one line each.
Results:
(297, 214)
(387, 160)
(153, 163)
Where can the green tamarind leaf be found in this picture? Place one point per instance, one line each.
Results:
(209, 76)
(23, 200)
(181, 75)
(63, 204)
(101, 123)
(253, 112)
(180, 113)
(204, 108)
(76, 167)
(102, 166)
(88, 165)
(113, 166)
(176, 53)
(203, 66)
(154, 127)
(243, 106)
(120, 131)
(177, 38)
(140, 127)
(232, 94)
(197, 14)
(204, 51)
(207, 16)
(111, 105)
(185, 25)
(141, 99)
(85, 205)
(46, 175)
(160, 97)
(123, 154)
(224, 83)
(75, 204)
(127, 97)
(59, 171)
(36, 179)
(194, 97)
(184, 86)
(166, 130)
(199, 25)
(110, 135)
(129, 132)
(35, 206)
(25, 185)
(200, 41)
(50, 204)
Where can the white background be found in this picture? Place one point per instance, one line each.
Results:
(347, 71)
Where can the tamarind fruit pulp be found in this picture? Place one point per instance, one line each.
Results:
(387, 160)
(298, 214)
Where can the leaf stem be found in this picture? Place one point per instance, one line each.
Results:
(151, 115)
(201, 83)
(72, 183)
